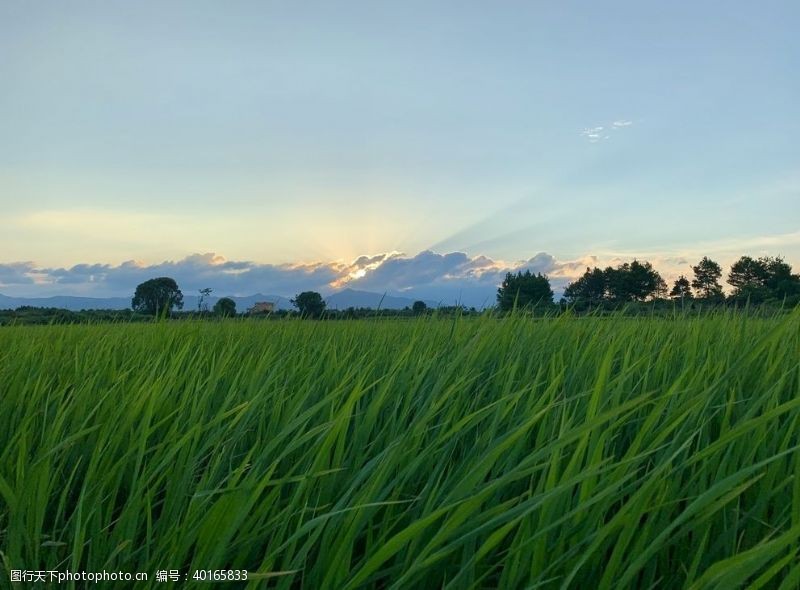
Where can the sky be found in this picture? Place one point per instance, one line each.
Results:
(277, 146)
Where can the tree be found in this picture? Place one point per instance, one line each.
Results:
(225, 307)
(419, 307)
(748, 277)
(746, 272)
(157, 296)
(762, 278)
(643, 281)
(681, 289)
(309, 304)
(589, 288)
(635, 281)
(616, 289)
(781, 282)
(524, 290)
(631, 281)
(706, 279)
(201, 305)
(662, 291)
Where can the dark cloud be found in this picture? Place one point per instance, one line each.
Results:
(196, 272)
(449, 278)
(16, 273)
(401, 273)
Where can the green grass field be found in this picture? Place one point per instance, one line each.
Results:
(480, 453)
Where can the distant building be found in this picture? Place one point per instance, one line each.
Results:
(262, 307)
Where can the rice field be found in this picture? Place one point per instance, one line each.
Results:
(432, 453)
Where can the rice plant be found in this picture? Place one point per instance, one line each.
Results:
(469, 453)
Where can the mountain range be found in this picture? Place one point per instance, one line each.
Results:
(339, 300)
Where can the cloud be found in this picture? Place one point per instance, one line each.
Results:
(456, 276)
(448, 277)
(594, 134)
(17, 273)
(445, 277)
(193, 272)
(600, 133)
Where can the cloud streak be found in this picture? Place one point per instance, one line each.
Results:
(595, 134)
(600, 133)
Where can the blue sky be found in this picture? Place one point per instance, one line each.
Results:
(307, 134)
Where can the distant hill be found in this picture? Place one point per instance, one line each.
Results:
(79, 303)
(368, 300)
(66, 302)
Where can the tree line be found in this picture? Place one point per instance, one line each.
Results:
(161, 295)
(753, 280)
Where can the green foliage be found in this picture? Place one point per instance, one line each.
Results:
(484, 453)
(747, 274)
(309, 303)
(589, 288)
(524, 290)
(202, 306)
(419, 307)
(157, 296)
(225, 307)
(681, 289)
(781, 282)
(706, 279)
(634, 281)
(757, 280)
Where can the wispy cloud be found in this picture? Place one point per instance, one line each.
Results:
(595, 134)
(604, 132)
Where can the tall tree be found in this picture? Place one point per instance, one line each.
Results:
(781, 282)
(589, 288)
(662, 291)
(762, 278)
(616, 285)
(309, 304)
(643, 280)
(630, 281)
(157, 296)
(706, 279)
(634, 281)
(201, 304)
(524, 290)
(681, 289)
(748, 277)
(747, 274)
